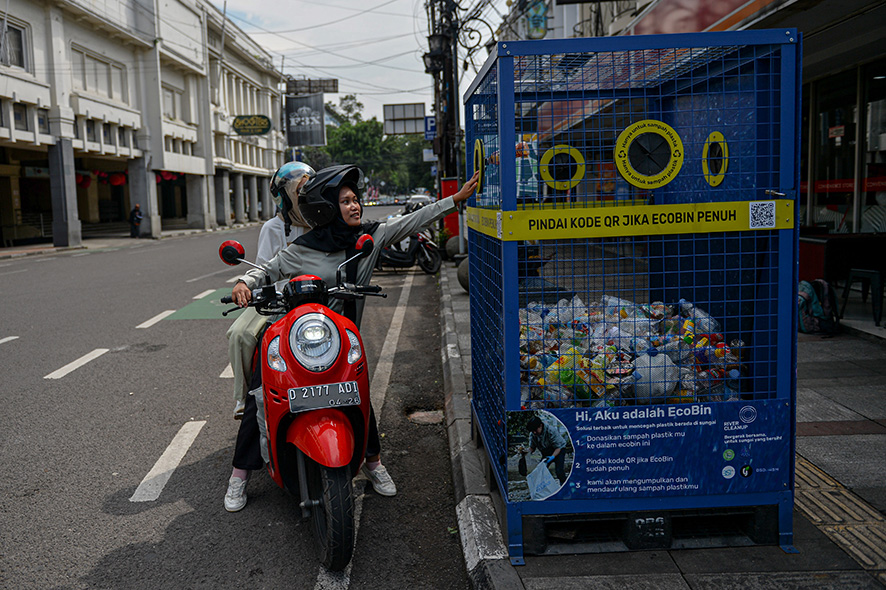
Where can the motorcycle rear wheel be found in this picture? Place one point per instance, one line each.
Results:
(429, 259)
(333, 518)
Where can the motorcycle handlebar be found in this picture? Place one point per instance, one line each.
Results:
(369, 289)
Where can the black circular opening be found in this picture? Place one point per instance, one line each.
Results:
(649, 154)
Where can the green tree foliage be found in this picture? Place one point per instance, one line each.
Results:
(395, 160)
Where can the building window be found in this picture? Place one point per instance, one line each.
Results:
(98, 75)
(122, 137)
(13, 49)
(43, 121)
(90, 130)
(172, 103)
(106, 133)
(76, 128)
(20, 116)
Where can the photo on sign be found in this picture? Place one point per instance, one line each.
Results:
(540, 455)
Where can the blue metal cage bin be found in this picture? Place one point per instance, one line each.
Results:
(633, 283)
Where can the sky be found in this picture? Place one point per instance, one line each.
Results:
(373, 47)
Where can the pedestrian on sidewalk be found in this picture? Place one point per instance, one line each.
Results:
(135, 220)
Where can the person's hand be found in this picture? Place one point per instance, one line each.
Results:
(467, 189)
(548, 459)
(241, 294)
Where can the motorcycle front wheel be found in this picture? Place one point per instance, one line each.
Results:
(333, 516)
(429, 259)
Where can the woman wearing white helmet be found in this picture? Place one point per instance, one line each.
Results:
(276, 234)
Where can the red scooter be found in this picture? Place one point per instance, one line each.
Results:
(313, 406)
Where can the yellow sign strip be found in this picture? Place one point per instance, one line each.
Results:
(632, 220)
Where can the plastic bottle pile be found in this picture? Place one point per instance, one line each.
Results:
(616, 353)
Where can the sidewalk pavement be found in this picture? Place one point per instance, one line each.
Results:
(840, 493)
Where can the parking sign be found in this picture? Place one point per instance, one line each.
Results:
(430, 127)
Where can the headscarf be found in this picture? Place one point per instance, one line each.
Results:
(295, 216)
(336, 235)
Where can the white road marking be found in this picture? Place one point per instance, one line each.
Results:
(76, 364)
(327, 580)
(382, 376)
(12, 272)
(234, 279)
(79, 255)
(154, 482)
(228, 373)
(8, 339)
(204, 294)
(156, 319)
(212, 274)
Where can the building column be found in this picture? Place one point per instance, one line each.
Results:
(267, 205)
(223, 197)
(63, 194)
(253, 197)
(143, 190)
(239, 204)
(198, 203)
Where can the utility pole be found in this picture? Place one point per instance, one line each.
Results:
(442, 63)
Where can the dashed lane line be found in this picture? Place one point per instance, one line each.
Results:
(8, 339)
(154, 482)
(156, 319)
(204, 294)
(58, 374)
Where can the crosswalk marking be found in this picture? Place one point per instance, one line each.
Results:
(76, 364)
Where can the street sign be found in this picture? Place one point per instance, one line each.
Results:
(430, 127)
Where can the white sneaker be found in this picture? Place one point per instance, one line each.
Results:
(239, 407)
(381, 480)
(235, 498)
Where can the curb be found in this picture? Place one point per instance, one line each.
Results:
(485, 554)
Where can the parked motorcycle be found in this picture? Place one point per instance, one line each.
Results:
(418, 248)
(313, 404)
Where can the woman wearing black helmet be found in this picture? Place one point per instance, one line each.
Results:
(330, 202)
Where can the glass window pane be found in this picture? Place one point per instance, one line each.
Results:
(873, 181)
(78, 68)
(15, 40)
(103, 78)
(90, 130)
(117, 86)
(20, 114)
(168, 103)
(43, 121)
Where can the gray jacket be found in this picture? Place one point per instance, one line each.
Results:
(296, 260)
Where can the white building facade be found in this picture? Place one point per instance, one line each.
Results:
(105, 105)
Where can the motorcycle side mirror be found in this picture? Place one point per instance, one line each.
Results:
(364, 245)
(232, 252)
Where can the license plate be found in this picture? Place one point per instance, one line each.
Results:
(330, 395)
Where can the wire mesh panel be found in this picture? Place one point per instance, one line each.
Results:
(633, 271)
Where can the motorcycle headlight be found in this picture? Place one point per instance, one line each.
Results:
(315, 342)
(356, 351)
(275, 361)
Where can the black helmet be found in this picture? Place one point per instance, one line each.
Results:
(318, 198)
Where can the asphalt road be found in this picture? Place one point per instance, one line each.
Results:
(76, 440)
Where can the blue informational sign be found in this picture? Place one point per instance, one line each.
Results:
(668, 450)
(430, 127)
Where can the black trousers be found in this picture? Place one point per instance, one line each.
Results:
(247, 451)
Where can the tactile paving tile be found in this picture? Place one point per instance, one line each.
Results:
(853, 524)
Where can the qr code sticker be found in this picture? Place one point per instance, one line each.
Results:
(762, 215)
